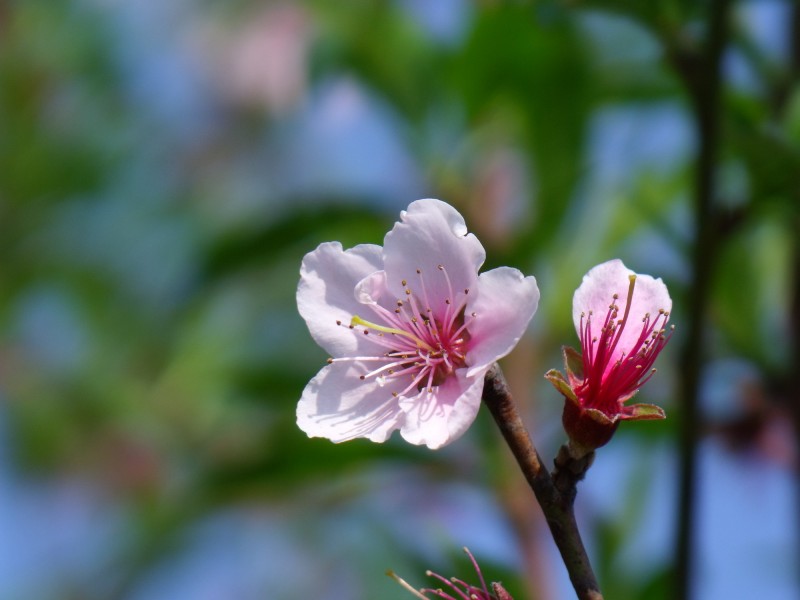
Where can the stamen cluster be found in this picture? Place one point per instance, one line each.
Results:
(608, 381)
(418, 341)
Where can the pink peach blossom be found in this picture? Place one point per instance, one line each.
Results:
(621, 320)
(411, 328)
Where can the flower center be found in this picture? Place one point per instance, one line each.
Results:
(424, 340)
(609, 382)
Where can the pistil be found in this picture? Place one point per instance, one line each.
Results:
(356, 320)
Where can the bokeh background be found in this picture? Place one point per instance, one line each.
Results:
(164, 166)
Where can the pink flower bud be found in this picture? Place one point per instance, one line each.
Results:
(621, 320)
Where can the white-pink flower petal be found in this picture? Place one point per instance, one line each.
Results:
(334, 407)
(325, 295)
(503, 305)
(594, 296)
(431, 234)
(437, 419)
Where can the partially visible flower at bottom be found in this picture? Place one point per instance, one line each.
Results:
(621, 320)
(462, 589)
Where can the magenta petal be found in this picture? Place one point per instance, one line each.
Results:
(339, 406)
(432, 233)
(325, 294)
(503, 305)
(440, 418)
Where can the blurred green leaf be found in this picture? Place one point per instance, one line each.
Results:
(304, 228)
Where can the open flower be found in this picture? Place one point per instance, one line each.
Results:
(621, 320)
(411, 328)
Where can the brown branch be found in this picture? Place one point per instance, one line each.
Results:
(557, 505)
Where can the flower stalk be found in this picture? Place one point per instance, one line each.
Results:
(555, 493)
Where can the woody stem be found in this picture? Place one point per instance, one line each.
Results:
(555, 496)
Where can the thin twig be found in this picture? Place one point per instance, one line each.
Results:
(557, 506)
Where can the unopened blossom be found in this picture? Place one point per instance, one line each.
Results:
(461, 589)
(621, 320)
(411, 328)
